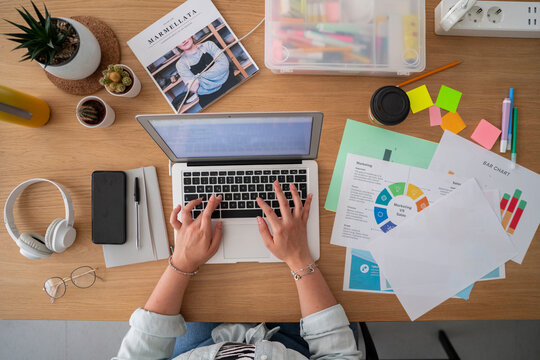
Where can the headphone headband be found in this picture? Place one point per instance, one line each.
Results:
(9, 219)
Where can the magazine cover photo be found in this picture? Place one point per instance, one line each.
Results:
(175, 71)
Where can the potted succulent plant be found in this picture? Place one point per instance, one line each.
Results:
(93, 112)
(120, 80)
(63, 47)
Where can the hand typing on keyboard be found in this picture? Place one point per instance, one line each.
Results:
(240, 189)
(289, 239)
(195, 241)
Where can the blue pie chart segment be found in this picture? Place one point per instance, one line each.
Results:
(380, 214)
(388, 226)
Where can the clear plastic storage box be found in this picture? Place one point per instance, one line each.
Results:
(362, 37)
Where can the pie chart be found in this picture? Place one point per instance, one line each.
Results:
(397, 201)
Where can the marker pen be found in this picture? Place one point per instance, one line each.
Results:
(510, 119)
(514, 138)
(504, 124)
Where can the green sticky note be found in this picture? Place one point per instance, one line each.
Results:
(419, 99)
(448, 99)
(367, 140)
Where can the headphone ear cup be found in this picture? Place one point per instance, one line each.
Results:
(62, 236)
(50, 233)
(33, 246)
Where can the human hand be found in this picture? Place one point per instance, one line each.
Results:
(289, 239)
(194, 86)
(195, 242)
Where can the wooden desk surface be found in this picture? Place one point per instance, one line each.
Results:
(66, 152)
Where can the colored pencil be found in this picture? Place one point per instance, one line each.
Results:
(429, 73)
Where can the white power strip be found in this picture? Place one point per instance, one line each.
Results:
(493, 18)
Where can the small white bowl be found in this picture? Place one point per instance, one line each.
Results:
(135, 86)
(109, 113)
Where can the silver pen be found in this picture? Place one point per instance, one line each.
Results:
(136, 196)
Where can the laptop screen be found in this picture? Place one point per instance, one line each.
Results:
(231, 137)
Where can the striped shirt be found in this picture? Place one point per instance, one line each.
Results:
(234, 351)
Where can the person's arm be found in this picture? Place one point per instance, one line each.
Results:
(219, 71)
(184, 71)
(289, 243)
(154, 329)
(194, 245)
(324, 325)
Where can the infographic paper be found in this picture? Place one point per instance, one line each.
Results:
(376, 196)
(430, 257)
(520, 204)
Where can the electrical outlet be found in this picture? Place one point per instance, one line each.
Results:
(474, 15)
(493, 18)
(494, 14)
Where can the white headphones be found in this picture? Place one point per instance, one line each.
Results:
(60, 233)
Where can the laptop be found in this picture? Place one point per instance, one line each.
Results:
(239, 156)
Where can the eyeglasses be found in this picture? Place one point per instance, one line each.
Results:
(82, 277)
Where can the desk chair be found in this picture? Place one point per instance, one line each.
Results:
(371, 351)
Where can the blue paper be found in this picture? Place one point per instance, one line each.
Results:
(364, 275)
(465, 293)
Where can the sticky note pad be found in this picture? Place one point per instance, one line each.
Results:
(435, 115)
(453, 122)
(448, 99)
(419, 98)
(486, 134)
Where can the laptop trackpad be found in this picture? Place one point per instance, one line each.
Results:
(242, 241)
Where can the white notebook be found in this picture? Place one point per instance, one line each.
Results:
(153, 232)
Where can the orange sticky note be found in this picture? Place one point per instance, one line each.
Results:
(486, 134)
(453, 122)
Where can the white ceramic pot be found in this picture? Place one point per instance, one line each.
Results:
(135, 86)
(109, 113)
(86, 59)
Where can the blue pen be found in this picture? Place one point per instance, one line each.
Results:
(511, 96)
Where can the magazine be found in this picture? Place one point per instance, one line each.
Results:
(180, 45)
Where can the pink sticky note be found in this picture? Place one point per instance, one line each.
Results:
(435, 115)
(486, 134)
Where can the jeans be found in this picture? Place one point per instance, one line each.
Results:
(200, 334)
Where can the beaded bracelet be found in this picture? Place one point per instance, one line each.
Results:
(180, 271)
(310, 269)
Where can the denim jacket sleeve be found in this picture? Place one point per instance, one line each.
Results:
(328, 335)
(151, 336)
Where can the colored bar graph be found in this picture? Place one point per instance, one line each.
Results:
(504, 202)
(517, 216)
(511, 207)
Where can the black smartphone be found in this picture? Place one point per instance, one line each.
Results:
(108, 207)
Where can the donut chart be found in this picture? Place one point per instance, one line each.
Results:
(394, 203)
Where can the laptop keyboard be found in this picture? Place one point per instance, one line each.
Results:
(241, 188)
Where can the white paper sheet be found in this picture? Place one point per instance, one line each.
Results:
(466, 159)
(443, 249)
(377, 195)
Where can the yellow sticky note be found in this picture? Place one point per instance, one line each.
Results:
(453, 122)
(420, 99)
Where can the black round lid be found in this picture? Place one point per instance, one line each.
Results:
(390, 105)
